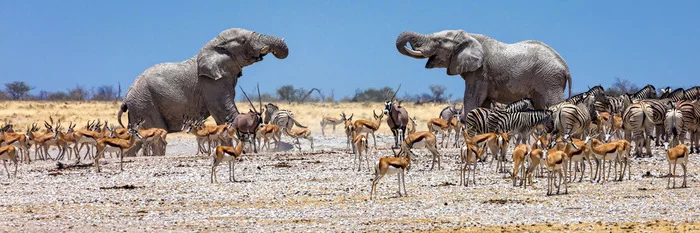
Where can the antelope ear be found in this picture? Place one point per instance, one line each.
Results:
(215, 60)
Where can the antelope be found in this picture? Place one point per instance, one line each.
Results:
(247, 124)
(676, 155)
(85, 136)
(9, 152)
(187, 124)
(349, 128)
(575, 156)
(603, 152)
(68, 140)
(359, 143)
(469, 155)
(40, 140)
(120, 144)
(456, 126)
(331, 121)
(439, 125)
(296, 134)
(556, 164)
(535, 160)
(20, 141)
(494, 142)
(422, 139)
(267, 131)
(397, 118)
(203, 134)
(411, 127)
(520, 156)
(227, 154)
(365, 126)
(390, 166)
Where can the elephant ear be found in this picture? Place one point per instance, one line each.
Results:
(215, 60)
(468, 57)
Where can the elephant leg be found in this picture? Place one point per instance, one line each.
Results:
(475, 92)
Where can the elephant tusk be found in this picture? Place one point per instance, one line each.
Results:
(413, 52)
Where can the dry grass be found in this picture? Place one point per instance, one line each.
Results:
(23, 113)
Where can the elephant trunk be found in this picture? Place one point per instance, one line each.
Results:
(277, 46)
(412, 38)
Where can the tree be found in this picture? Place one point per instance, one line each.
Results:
(78, 93)
(373, 95)
(621, 86)
(105, 93)
(17, 90)
(286, 93)
(438, 92)
(59, 95)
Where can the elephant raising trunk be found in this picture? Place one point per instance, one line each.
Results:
(413, 38)
(276, 46)
(493, 71)
(201, 86)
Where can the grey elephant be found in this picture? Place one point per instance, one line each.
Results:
(492, 70)
(201, 86)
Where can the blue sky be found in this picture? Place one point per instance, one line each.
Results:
(342, 45)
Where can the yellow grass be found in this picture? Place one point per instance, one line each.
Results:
(24, 113)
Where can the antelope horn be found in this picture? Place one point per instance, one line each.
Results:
(259, 98)
(246, 97)
(397, 91)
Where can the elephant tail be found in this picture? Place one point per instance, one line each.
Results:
(122, 109)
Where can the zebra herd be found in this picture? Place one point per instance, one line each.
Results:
(645, 117)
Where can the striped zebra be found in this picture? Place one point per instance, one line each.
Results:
(571, 120)
(677, 95)
(595, 91)
(675, 127)
(282, 118)
(518, 123)
(476, 120)
(523, 104)
(693, 93)
(648, 92)
(657, 110)
(691, 120)
(637, 125)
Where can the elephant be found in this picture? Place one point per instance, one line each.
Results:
(201, 86)
(492, 70)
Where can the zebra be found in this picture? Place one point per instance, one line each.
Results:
(693, 93)
(637, 125)
(570, 119)
(675, 129)
(613, 105)
(677, 95)
(476, 120)
(691, 120)
(657, 110)
(659, 107)
(648, 92)
(523, 104)
(595, 91)
(518, 123)
(281, 118)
